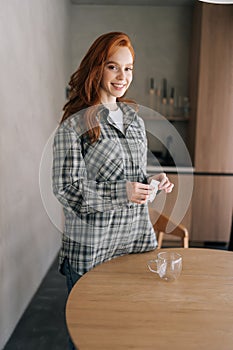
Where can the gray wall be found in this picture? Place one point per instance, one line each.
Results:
(160, 35)
(161, 38)
(34, 63)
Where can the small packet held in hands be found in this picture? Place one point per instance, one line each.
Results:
(154, 184)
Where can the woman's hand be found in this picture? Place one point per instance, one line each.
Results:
(165, 183)
(138, 192)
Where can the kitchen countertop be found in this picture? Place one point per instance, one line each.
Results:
(151, 169)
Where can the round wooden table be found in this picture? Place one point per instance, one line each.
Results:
(122, 305)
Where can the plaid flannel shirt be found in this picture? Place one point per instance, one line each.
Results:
(90, 182)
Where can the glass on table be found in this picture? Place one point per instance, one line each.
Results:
(168, 265)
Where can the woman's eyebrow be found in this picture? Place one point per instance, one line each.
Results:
(113, 62)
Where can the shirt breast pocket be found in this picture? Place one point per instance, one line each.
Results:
(141, 146)
(138, 149)
(104, 161)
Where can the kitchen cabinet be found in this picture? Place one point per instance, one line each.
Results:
(211, 121)
(212, 208)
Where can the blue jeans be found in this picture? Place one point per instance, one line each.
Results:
(71, 278)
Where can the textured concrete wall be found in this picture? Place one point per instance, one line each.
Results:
(34, 63)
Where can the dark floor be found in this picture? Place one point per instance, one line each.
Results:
(42, 327)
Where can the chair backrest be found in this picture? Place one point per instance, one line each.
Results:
(161, 223)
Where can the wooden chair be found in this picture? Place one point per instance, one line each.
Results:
(160, 222)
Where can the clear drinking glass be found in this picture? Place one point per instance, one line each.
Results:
(168, 265)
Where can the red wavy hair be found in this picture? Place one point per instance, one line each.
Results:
(85, 82)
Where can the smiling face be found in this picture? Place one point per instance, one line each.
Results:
(117, 76)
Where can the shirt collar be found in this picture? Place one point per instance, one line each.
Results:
(128, 112)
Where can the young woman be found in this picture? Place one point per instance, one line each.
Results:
(99, 167)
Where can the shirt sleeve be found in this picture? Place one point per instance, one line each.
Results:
(144, 156)
(71, 185)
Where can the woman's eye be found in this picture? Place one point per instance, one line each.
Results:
(116, 68)
(112, 67)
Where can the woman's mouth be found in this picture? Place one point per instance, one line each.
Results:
(118, 86)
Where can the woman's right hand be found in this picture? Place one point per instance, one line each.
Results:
(138, 192)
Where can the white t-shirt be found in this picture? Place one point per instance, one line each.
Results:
(117, 117)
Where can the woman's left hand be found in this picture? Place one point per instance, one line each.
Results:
(165, 183)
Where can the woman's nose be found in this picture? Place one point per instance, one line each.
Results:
(121, 74)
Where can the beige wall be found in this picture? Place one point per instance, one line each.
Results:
(34, 63)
